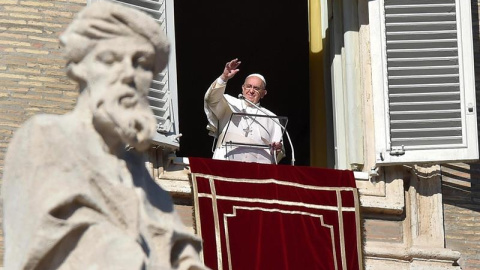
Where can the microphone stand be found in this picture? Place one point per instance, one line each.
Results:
(240, 96)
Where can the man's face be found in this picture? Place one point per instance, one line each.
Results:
(118, 73)
(253, 89)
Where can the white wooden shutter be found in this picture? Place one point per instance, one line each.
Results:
(163, 90)
(423, 81)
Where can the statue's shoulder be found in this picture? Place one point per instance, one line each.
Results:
(40, 125)
(43, 120)
(34, 138)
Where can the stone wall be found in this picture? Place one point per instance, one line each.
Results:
(461, 187)
(461, 206)
(32, 73)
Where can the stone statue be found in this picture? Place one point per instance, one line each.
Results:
(74, 197)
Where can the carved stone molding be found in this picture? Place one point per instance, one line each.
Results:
(422, 246)
(384, 193)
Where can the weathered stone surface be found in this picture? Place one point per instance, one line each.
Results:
(74, 197)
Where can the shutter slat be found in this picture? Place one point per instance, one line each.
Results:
(161, 110)
(158, 87)
(433, 141)
(157, 91)
(419, 112)
(158, 100)
(418, 141)
(155, 3)
(429, 70)
(422, 35)
(419, 135)
(419, 16)
(424, 32)
(423, 140)
(390, 69)
(426, 108)
(424, 103)
(426, 59)
(426, 80)
(419, 26)
(425, 123)
(423, 97)
(429, 44)
(426, 116)
(425, 26)
(155, 11)
(141, 4)
(428, 130)
(417, 2)
(432, 86)
(420, 6)
(436, 46)
(435, 76)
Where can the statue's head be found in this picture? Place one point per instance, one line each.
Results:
(113, 52)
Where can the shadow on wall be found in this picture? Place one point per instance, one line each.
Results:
(460, 181)
(461, 185)
(461, 206)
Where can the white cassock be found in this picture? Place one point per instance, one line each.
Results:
(249, 130)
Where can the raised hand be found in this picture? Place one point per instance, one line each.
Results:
(231, 68)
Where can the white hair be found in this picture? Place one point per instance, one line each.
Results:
(258, 76)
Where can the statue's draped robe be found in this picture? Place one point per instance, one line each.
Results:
(68, 204)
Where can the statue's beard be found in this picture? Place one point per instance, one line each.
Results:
(133, 125)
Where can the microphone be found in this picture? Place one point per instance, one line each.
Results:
(240, 96)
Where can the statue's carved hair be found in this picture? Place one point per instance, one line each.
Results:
(105, 20)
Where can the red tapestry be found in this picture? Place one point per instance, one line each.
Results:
(257, 216)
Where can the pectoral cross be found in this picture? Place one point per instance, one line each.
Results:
(247, 130)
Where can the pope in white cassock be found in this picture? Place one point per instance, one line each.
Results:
(247, 132)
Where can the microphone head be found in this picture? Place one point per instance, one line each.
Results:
(240, 96)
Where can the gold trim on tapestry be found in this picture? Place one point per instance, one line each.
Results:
(357, 227)
(216, 221)
(270, 181)
(197, 213)
(341, 229)
(322, 223)
(288, 203)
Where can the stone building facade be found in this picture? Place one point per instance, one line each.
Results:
(32, 72)
(414, 216)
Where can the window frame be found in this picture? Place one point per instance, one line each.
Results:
(438, 153)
